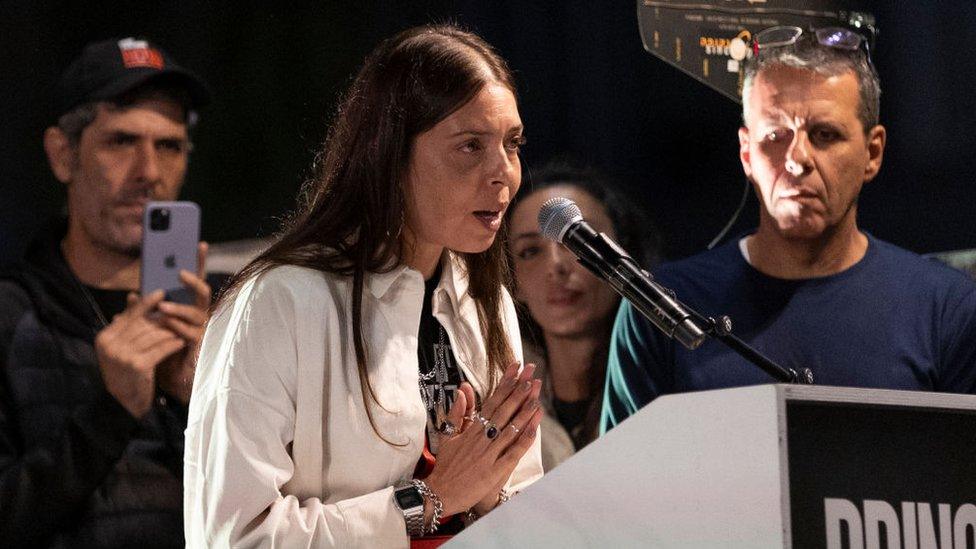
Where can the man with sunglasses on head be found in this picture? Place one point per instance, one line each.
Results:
(94, 379)
(807, 288)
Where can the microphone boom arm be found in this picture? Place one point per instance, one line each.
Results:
(633, 284)
(721, 329)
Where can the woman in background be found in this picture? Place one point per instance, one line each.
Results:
(359, 383)
(568, 312)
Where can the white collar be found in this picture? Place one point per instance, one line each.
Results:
(454, 278)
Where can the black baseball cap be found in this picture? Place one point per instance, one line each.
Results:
(110, 68)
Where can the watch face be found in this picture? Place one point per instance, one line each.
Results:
(408, 498)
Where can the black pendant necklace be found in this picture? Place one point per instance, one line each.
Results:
(435, 383)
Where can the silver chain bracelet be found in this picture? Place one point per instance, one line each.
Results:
(435, 502)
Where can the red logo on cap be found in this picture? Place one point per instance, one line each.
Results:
(137, 53)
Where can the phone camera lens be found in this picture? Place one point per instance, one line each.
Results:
(159, 219)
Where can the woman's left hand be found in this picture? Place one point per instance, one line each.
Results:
(476, 462)
(522, 417)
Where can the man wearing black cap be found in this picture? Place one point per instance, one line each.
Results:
(94, 379)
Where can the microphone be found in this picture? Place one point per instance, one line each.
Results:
(560, 219)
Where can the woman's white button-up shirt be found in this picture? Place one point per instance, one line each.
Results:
(279, 450)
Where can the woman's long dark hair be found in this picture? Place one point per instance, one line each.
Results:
(350, 216)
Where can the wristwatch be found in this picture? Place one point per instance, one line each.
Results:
(410, 502)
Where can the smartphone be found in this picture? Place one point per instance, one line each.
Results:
(170, 235)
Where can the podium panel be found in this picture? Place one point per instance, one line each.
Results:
(762, 466)
(901, 467)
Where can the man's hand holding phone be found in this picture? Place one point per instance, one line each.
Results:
(130, 348)
(175, 374)
(154, 342)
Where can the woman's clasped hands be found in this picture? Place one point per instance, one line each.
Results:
(476, 460)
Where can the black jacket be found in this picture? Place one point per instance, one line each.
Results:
(76, 469)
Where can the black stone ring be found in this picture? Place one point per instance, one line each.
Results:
(447, 428)
(491, 430)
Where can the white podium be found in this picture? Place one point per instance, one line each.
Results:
(763, 466)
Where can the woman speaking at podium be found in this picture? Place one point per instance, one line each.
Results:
(359, 382)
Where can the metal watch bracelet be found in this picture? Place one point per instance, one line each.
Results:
(410, 501)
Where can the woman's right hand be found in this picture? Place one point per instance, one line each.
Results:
(470, 466)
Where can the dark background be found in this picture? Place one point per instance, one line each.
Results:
(587, 89)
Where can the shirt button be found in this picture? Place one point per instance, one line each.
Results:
(161, 400)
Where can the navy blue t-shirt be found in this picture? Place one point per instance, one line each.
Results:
(894, 320)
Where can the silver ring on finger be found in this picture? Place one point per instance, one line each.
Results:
(514, 428)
